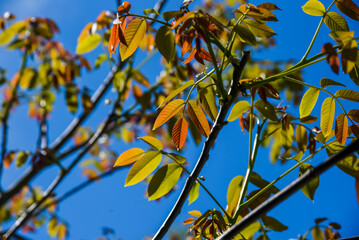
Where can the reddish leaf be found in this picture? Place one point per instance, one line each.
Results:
(124, 8)
(168, 112)
(198, 117)
(341, 128)
(116, 36)
(190, 57)
(179, 132)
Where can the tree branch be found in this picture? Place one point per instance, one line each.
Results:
(233, 92)
(288, 191)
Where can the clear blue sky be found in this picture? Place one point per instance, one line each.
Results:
(109, 204)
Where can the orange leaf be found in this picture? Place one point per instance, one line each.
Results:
(116, 36)
(90, 174)
(124, 8)
(179, 132)
(129, 156)
(189, 221)
(8, 159)
(85, 31)
(168, 112)
(190, 57)
(341, 128)
(198, 117)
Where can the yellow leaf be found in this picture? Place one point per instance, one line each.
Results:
(238, 109)
(195, 213)
(176, 92)
(179, 132)
(207, 99)
(61, 231)
(143, 167)
(327, 116)
(153, 142)
(197, 116)
(341, 128)
(134, 33)
(88, 43)
(308, 102)
(301, 137)
(168, 112)
(8, 34)
(129, 156)
(314, 8)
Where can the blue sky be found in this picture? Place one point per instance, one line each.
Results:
(132, 216)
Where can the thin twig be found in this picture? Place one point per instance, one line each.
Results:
(233, 92)
(288, 191)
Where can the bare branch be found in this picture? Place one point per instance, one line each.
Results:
(289, 190)
(219, 123)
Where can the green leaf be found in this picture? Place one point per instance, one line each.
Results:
(325, 82)
(8, 34)
(245, 34)
(259, 29)
(194, 193)
(349, 8)
(266, 109)
(273, 224)
(165, 42)
(88, 43)
(163, 181)
(207, 99)
(72, 101)
(21, 158)
(153, 142)
(308, 102)
(238, 109)
(249, 231)
(327, 116)
(350, 164)
(178, 158)
(286, 136)
(233, 194)
(100, 59)
(140, 78)
(336, 22)
(134, 33)
(301, 137)
(176, 92)
(354, 73)
(171, 14)
(143, 167)
(258, 181)
(349, 55)
(310, 188)
(151, 10)
(314, 8)
(317, 233)
(347, 94)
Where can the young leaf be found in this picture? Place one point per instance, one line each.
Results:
(168, 112)
(194, 193)
(238, 109)
(266, 109)
(88, 43)
(179, 132)
(341, 128)
(153, 142)
(301, 137)
(72, 101)
(327, 116)
(143, 167)
(349, 8)
(163, 181)
(273, 224)
(308, 102)
(197, 116)
(354, 115)
(165, 42)
(259, 29)
(347, 94)
(176, 92)
(310, 188)
(207, 99)
(245, 34)
(325, 82)
(314, 8)
(336, 22)
(134, 33)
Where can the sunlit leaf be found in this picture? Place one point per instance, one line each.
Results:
(179, 132)
(308, 119)
(314, 8)
(164, 180)
(349, 55)
(134, 33)
(308, 102)
(259, 29)
(195, 213)
(168, 112)
(310, 188)
(176, 92)
(273, 224)
(140, 78)
(245, 34)
(349, 8)
(72, 101)
(207, 99)
(233, 194)
(327, 116)
(177, 158)
(301, 137)
(151, 10)
(325, 82)
(317, 233)
(124, 7)
(350, 164)
(269, 6)
(52, 227)
(153, 142)
(197, 116)
(61, 231)
(88, 43)
(341, 128)
(9, 157)
(171, 14)
(336, 22)
(143, 167)
(238, 109)
(286, 136)
(194, 193)
(165, 42)
(348, 94)
(8, 34)
(129, 157)
(266, 109)
(21, 158)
